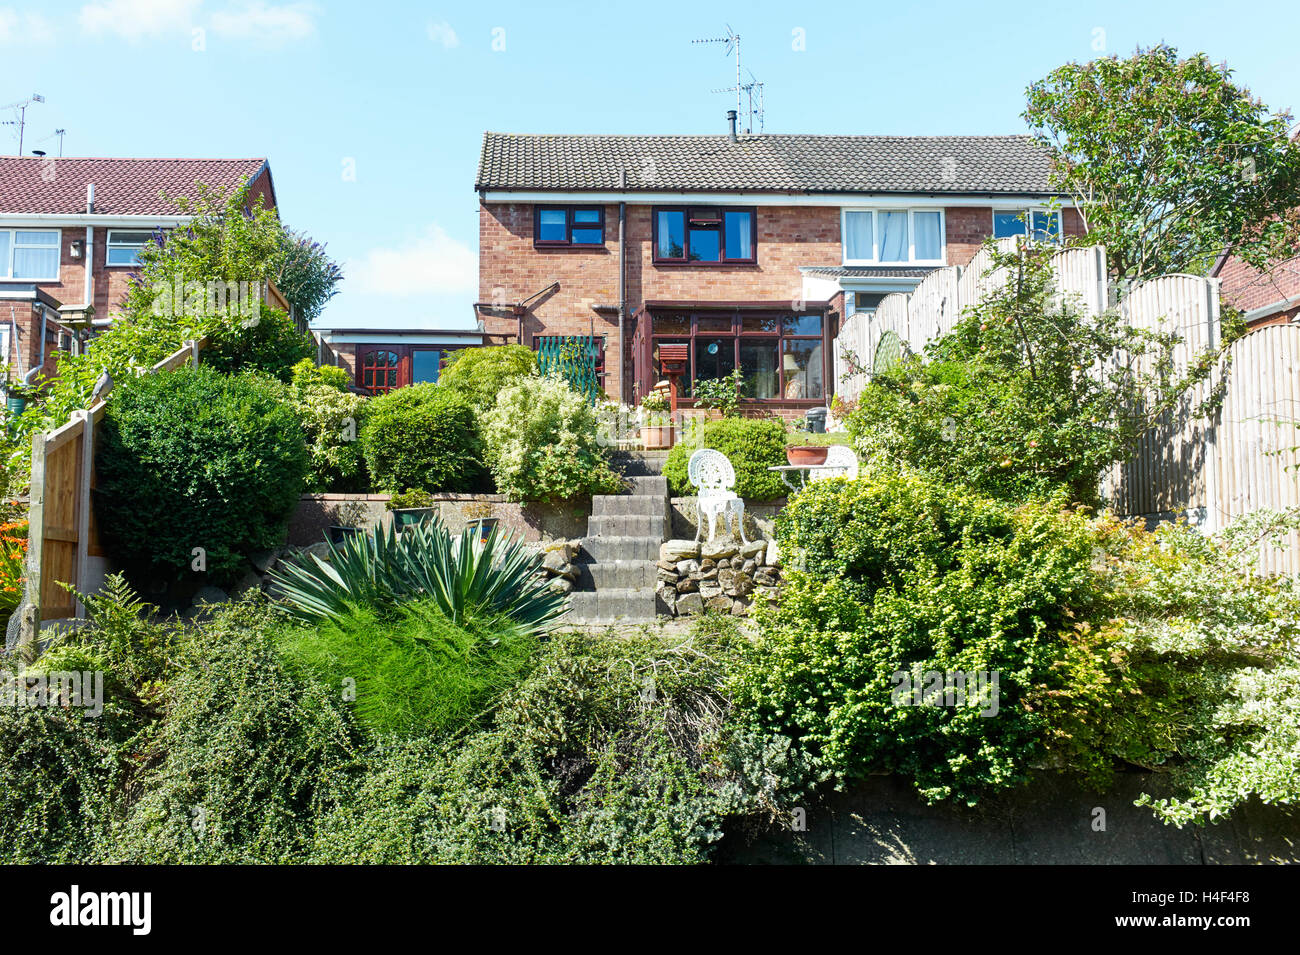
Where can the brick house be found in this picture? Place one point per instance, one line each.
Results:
(747, 248)
(1265, 298)
(70, 233)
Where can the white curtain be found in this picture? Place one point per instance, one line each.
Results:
(893, 237)
(36, 263)
(746, 243)
(857, 236)
(4, 253)
(929, 243)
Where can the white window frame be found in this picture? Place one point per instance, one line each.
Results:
(1028, 213)
(7, 275)
(911, 235)
(109, 246)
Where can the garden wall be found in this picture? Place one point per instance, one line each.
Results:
(316, 513)
(1050, 822)
(760, 518)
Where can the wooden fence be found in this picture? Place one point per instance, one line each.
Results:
(63, 538)
(1214, 469)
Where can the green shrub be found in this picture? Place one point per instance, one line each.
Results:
(194, 459)
(542, 443)
(895, 574)
(273, 345)
(604, 754)
(751, 444)
(415, 672)
(331, 417)
(249, 758)
(480, 374)
(424, 437)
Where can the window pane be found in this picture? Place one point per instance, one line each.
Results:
(714, 357)
(671, 324)
(551, 223)
(740, 235)
(929, 243)
(4, 253)
(715, 323)
(129, 238)
(866, 301)
(672, 235)
(893, 237)
(1007, 224)
(758, 365)
(587, 237)
(586, 227)
(803, 369)
(424, 366)
(586, 216)
(123, 255)
(36, 263)
(37, 238)
(704, 245)
(802, 324)
(760, 323)
(857, 236)
(1047, 226)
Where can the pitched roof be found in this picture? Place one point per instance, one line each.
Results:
(765, 163)
(44, 184)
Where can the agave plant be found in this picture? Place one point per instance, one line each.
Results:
(498, 577)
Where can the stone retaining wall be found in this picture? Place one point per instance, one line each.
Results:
(722, 575)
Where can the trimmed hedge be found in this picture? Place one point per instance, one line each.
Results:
(752, 445)
(195, 459)
(272, 345)
(423, 437)
(480, 374)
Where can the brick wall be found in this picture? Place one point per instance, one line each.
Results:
(1247, 288)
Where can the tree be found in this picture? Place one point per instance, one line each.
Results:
(1173, 163)
(1026, 396)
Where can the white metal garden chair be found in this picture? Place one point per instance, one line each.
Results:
(714, 477)
(840, 462)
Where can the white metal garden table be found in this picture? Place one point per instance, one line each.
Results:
(788, 470)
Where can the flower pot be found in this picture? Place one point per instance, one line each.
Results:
(484, 526)
(805, 454)
(339, 534)
(658, 437)
(406, 516)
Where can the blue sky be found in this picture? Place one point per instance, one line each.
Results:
(399, 93)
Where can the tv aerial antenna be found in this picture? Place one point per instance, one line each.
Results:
(751, 89)
(21, 121)
(58, 132)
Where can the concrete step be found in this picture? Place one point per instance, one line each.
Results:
(609, 505)
(600, 550)
(617, 575)
(612, 606)
(628, 525)
(639, 463)
(655, 484)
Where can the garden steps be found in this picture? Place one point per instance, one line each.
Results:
(616, 561)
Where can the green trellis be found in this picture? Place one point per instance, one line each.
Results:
(889, 352)
(576, 358)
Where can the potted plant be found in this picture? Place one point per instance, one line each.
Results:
(656, 425)
(478, 516)
(805, 454)
(412, 507)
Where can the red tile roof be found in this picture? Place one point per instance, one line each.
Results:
(33, 184)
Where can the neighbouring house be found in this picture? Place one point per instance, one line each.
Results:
(381, 359)
(749, 249)
(1265, 298)
(70, 234)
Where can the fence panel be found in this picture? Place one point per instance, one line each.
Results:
(64, 543)
(933, 308)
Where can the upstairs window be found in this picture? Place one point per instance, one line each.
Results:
(569, 226)
(1043, 224)
(705, 234)
(124, 247)
(29, 254)
(893, 236)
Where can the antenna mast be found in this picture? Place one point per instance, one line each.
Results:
(732, 42)
(21, 121)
